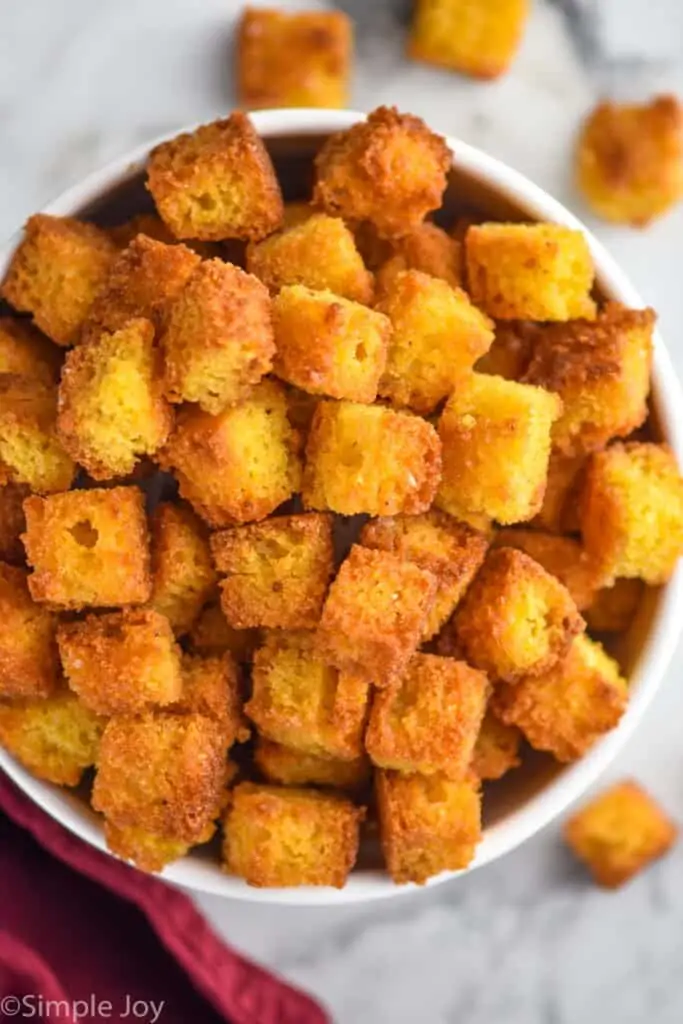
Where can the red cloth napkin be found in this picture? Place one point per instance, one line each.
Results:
(85, 938)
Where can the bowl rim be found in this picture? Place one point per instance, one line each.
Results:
(206, 877)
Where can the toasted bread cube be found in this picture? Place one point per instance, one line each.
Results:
(211, 634)
(293, 60)
(31, 452)
(363, 458)
(25, 352)
(612, 609)
(495, 437)
(328, 345)
(112, 409)
(240, 465)
(163, 772)
(277, 572)
(122, 662)
(558, 512)
(516, 619)
(429, 249)
(218, 339)
(563, 557)
(565, 709)
(496, 751)
(212, 687)
(302, 702)
(428, 824)
(529, 271)
(290, 767)
(28, 653)
(437, 338)
(288, 837)
(148, 851)
(429, 722)
(631, 511)
(619, 833)
(451, 550)
(389, 169)
(183, 576)
(319, 253)
(55, 737)
(88, 548)
(511, 350)
(12, 523)
(629, 159)
(478, 39)
(375, 614)
(149, 224)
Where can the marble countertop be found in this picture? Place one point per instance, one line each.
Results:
(527, 940)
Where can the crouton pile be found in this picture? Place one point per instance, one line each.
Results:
(316, 512)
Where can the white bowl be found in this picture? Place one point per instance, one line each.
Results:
(529, 798)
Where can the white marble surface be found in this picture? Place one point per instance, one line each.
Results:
(525, 941)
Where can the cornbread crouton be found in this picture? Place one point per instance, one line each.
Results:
(495, 437)
(300, 409)
(558, 512)
(631, 511)
(328, 345)
(613, 608)
(112, 409)
(601, 371)
(211, 634)
(496, 751)
(218, 339)
(427, 824)
(122, 662)
(429, 722)
(183, 576)
(289, 767)
(289, 837)
(239, 465)
(293, 60)
(162, 772)
(451, 550)
(565, 709)
(25, 352)
(28, 653)
(277, 572)
(619, 833)
(563, 557)
(529, 271)
(30, 450)
(211, 687)
(295, 213)
(149, 224)
(438, 335)
(148, 851)
(389, 169)
(319, 253)
(363, 458)
(429, 249)
(56, 272)
(56, 737)
(478, 39)
(216, 182)
(511, 350)
(88, 548)
(12, 523)
(302, 702)
(629, 160)
(516, 619)
(375, 614)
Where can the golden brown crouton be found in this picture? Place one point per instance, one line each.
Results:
(429, 722)
(495, 437)
(389, 169)
(558, 512)
(56, 273)
(375, 614)
(149, 224)
(112, 409)
(277, 572)
(563, 557)
(240, 465)
(511, 350)
(515, 619)
(12, 523)
(88, 548)
(319, 253)
(211, 634)
(619, 833)
(211, 687)
(122, 662)
(183, 577)
(438, 336)
(565, 709)
(328, 345)
(529, 271)
(162, 772)
(290, 767)
(428, 249)
(631, 511)
(148, 851)
(25, 352)
(293, 60)
(451, 550)
(28, 653)
(56, 737)
(216, 182)
(289, 837)
(629, 159)
(302, 702)
(496, 751)
(363, 458)
(613, 608)
(218, 338)
(30, 451)
(478, 39)
(428, 824)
